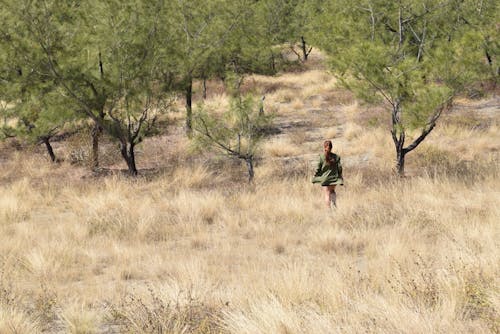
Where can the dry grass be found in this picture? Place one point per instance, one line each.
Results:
(282, 147)
(189, 250)
(423, 250)
(292, 92)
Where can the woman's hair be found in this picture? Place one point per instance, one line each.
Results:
(328, 157)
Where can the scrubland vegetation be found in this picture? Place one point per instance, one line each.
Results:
(190, 247)
(156, 161)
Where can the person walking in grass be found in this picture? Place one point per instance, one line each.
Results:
(329, 173)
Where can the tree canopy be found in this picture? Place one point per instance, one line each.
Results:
(117, 64)
(415, 56)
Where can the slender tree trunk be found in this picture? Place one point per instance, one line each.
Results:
(304, 47)
(400, 21)
(489, 58)
(422, 42)
(273, 63)
(49, 148)
(249, 162)
(96, 134)
(305, 52)
(189, 110)
(398, 137)
(129, 157)
(372, 17)
(97, 130)
(400, 165)
(204, 89)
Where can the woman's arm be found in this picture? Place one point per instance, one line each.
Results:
(339, 167)
(320, 167)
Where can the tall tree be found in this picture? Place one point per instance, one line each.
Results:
(258, 42)
(201, 30)
(299, 31)
(416, 56)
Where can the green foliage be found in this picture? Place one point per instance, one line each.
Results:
(237, 132)
(407, 52)
(199, 33)
(265, 29)
(102, 60)
(416, 56)
(7, 118)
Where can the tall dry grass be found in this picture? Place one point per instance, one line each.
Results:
(417, 255)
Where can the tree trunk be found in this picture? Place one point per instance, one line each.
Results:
(204, 89)
(273, 63)
(398, 137)
(189, 110)
(129, 157)
(251, 174)
(489, 58)
(96, 132)
(400, 165)
(49, 148)
(304, 48)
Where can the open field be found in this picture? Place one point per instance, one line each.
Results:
(189, 247)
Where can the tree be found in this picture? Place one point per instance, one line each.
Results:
(41, 115)
(300, 28)
(483, 17)
(130, 46)
(30, 105)
(273, 23)
(258, 42)
(32, 108)
(7, 97)
(103, 57)
(416, 56)
(237, 132)
(201, 30)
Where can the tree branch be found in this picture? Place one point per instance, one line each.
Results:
(430, 124)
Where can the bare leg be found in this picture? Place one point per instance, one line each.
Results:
(330, 196)
(333, 198)
(327, 196)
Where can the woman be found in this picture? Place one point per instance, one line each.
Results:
(329, 173)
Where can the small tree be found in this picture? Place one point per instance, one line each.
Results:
(30, 106)
(237, 132)
(40, 116)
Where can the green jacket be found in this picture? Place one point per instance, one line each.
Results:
(328, 175)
